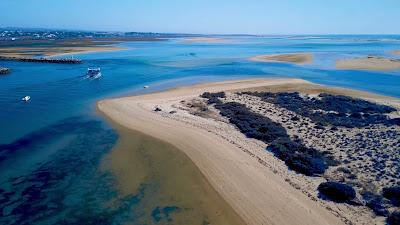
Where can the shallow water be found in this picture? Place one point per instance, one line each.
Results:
(52, 148)
(172, 189)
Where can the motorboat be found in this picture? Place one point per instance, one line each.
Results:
(26, 98)
(93, 73)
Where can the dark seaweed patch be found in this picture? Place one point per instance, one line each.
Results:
(164, 213)
(68, 189)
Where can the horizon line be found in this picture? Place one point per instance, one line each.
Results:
(187, 33)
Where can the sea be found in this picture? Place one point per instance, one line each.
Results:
(52, 148)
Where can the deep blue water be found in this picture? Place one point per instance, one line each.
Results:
(50, 147)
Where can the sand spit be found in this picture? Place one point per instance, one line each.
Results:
(296, 58)
(396, 52)
(369, 63)
(257, 186)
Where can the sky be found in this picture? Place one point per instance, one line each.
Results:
(207, 16)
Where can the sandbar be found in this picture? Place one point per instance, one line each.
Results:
(369, 63)
(296, 58)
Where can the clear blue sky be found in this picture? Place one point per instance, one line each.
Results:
(208, 16)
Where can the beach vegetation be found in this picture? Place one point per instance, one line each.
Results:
(394, 218)
(213, 98)
(337, 192)
(334, 110)
(376, 203)
(393, 194)
(297, 156)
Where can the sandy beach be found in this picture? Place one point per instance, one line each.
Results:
(369, 63)
(296, 58)
(257, 185)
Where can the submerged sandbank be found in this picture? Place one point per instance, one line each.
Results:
(173, 189)
(296, 58)
(369, 63)
(397, 52)
(255, 192)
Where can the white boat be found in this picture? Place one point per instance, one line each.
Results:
(93, 72)
(146, 86)
(26, 98)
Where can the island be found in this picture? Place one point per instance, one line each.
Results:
(296, 58)
(375, 63)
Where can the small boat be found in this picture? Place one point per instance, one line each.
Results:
(146, 86)
(26, 98)
(93, 73)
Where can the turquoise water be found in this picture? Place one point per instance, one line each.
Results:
(50, 147)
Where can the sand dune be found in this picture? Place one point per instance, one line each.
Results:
(369, 63)
(256, 193)
(296, 58)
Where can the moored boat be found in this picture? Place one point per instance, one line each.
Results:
(93, 72)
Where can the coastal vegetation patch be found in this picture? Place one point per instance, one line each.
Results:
(394, 218)
(352, 133)
(297, 157)
(337, 192)
(335, 110)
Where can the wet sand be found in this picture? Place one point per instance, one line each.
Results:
(255, 192)
(369, 63)
(296, 58)
(168, 179)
